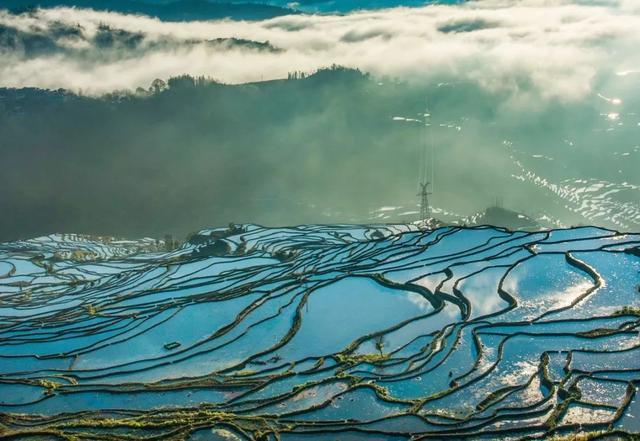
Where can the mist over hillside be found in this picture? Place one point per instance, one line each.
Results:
(117, 123)
(335, 146)
(199, 154)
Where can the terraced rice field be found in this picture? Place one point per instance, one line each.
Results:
(381, 332)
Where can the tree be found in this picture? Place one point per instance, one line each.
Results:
(380, 343)
(158, 86)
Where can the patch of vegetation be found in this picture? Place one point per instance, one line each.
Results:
(627, 310)
(352, 360)
(599, 332)
(582, 436)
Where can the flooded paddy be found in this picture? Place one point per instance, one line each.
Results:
(377, 332)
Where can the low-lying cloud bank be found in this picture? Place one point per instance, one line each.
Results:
(529, 49)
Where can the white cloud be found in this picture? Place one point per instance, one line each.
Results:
(529, 48)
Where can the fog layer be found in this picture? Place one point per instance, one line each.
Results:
(531, 104)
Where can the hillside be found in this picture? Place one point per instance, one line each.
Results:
(180, 10)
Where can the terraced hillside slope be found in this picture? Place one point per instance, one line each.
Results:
(322, 332)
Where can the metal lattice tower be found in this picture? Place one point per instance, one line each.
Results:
(425, 212)
(426, 160)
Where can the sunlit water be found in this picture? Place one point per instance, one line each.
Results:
(357, 332)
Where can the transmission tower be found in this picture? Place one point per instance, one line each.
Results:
(425, 212)
(426, 161)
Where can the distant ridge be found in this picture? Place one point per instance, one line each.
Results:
(333, 6)
(183, 10)
(178, 10)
